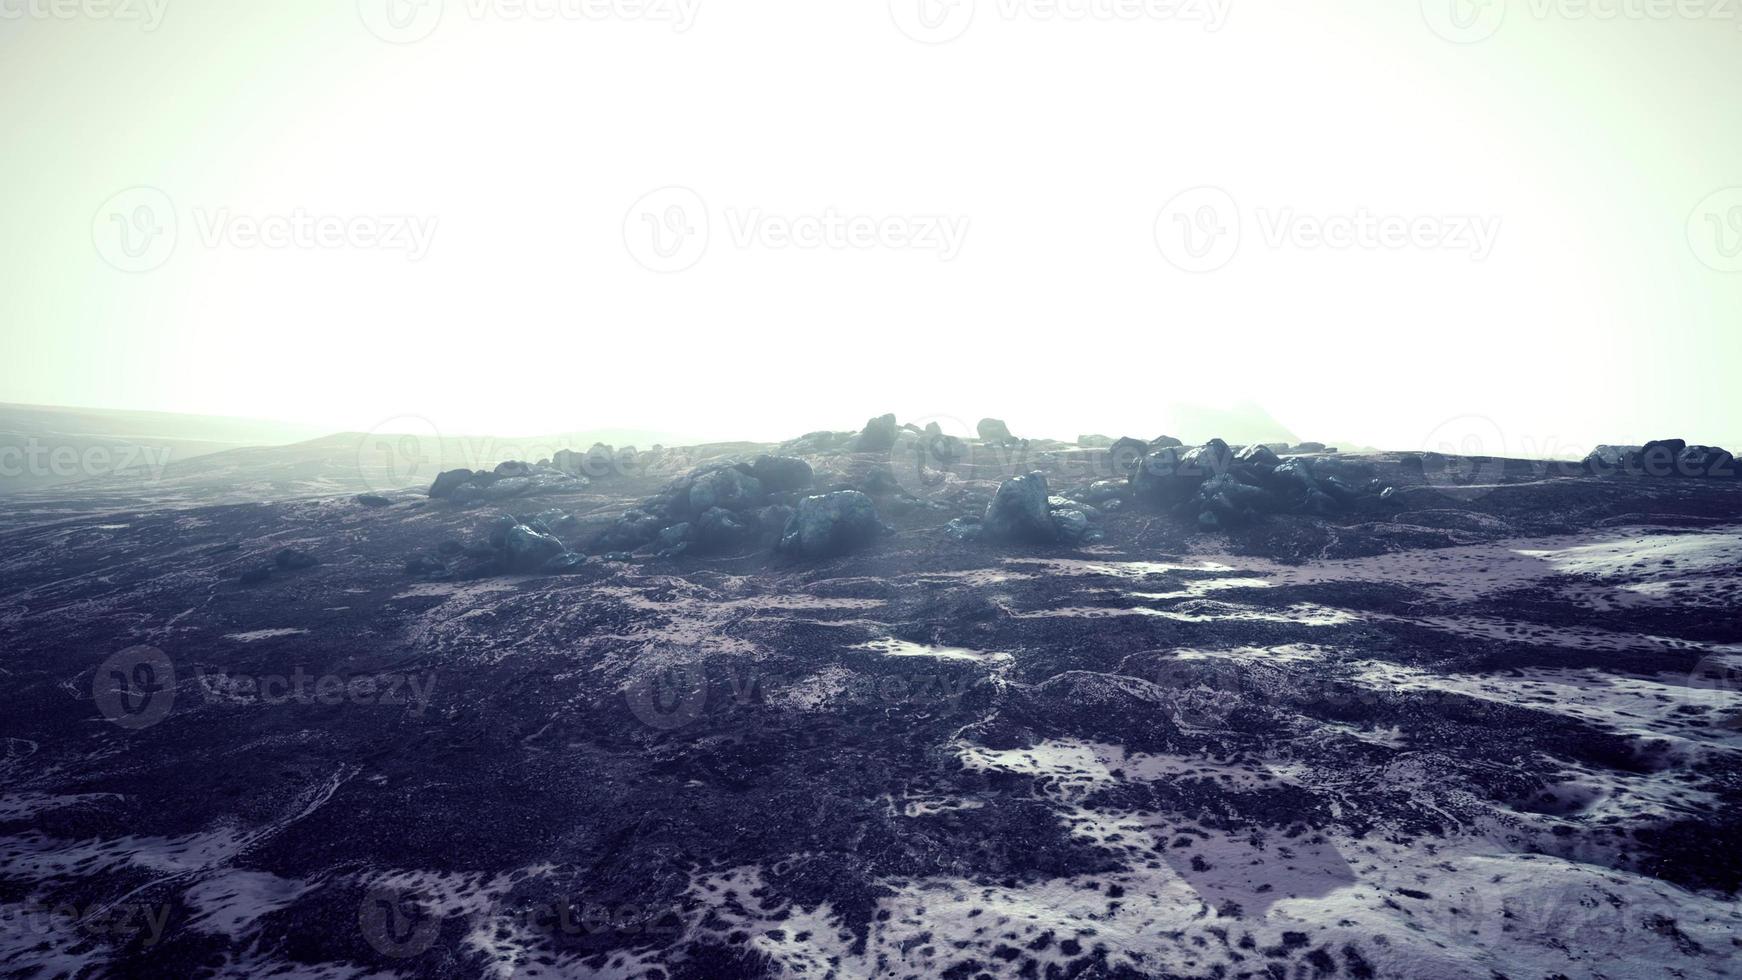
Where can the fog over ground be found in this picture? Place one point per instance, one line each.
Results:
(1389, 224)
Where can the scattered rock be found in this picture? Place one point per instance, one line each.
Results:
(831, 524)
(373, 500)
(1019, 511)
(1126, 454)
(779, 474)
(727, 487)
(446, 483)
(994, 432)
(878, 435)
(513, 468)
(564, 564)
(526, 549)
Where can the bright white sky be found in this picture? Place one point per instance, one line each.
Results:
(533, 144)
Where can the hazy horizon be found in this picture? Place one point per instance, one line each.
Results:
(745, 223)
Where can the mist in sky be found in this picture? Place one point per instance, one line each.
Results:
(1380, 221)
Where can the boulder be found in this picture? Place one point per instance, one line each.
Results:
(525, 549)
(995, 432)
(1706, 462)
(566, 563)
(779, 474)
(1019, 511)
(424, 566)
(729, 487)
(631, 531)
(373, 500)
(831, 524)
(964, 529)
(512, 468)
(1165, 442)
(1608, 460)
(1258, 456)
(1126, 454)
(446, 483)
(1161, 478)
(1310, 447)
(1095, 442)
(1102, 491)
(290, 559)
(506, 489)
(1211, 458)
(718, 529)
(878, 436)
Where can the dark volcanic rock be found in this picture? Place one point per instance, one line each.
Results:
(446, 483)
(373, 500)
(878, 435)
(526, 549)
(728, 487)
(831, 524)
(779, 474)
(1019, 511)
(1126, 454)
(995, 432)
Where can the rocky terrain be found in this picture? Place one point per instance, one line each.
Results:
(885, 702)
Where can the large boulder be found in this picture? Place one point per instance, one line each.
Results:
(1262, 456)
(1019, 511)
(513, 468)
(779, 474)
(1126, 454)
(1166, 442)
(1161, 479)
(446, 483)
(1707, 462)
(1094, 442)
(718, 529)
(1210, 459)
(1608, 460)
(878, 436)
(995, 432)
(729, 487)
(527, 550)
(831, 524)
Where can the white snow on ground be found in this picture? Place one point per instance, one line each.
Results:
(892, 647)
(230, 903)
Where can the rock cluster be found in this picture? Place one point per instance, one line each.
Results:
(1023, 511)
(1222, 488)
(509, 480)
(732, 506)
(512, 543)
(1663, 458)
